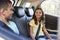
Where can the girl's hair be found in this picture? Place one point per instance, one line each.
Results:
(42, 17)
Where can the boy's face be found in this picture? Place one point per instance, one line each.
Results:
(8, 12)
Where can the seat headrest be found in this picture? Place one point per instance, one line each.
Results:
(19, 11)
(29, 12)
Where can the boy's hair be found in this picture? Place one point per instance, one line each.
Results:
(4, 4)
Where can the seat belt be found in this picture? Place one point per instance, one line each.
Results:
(38, 30)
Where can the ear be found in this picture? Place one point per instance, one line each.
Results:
(1, 10)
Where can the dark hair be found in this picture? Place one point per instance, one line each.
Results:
(34, 17)
(4, 3)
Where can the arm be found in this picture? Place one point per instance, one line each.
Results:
(45, 31)
(31, 33)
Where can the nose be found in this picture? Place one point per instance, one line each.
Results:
(12, 12)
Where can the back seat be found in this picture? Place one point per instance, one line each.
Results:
(19, 17)
(23, 16)
(29, 12)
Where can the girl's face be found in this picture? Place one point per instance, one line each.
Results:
(38, 14)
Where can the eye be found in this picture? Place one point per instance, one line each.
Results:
(40, 12)
(36, 12)
(11, 9)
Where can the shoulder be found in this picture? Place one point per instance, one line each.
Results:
(31, 23)
(2, 23)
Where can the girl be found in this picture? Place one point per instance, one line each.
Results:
(38, 19)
